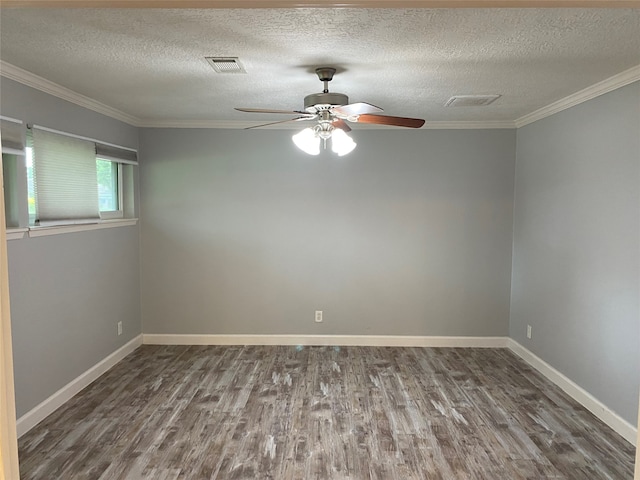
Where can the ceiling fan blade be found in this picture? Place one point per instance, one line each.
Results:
(297, 119)
(263, 110)
(342, 125)
(356, 109)
(389, 120)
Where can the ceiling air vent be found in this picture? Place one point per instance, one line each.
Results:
(471, 100)
(226, 64)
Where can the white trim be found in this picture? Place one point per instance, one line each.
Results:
(600, 88)
(31, 80)
(320, 3)
(66, 222)
(81, 137)
(10, 119)
(309, 340)
(112, 214)
(13, 151)
(221, 124)
(595, 406)
(59, 229)
(9, 150)
(30, 419)
(16, 233)
(27, 78)
(469, 125)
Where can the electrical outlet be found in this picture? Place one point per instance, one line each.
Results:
(318, 316)
(119, 328)
(529, 331)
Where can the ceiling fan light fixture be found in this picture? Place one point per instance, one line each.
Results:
(332, 111)
(307, 141)
(341, 143)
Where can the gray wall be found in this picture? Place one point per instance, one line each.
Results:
(68, 291)
(576, 245)
(67, 294)
(410, 234)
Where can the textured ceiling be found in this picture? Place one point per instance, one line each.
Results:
(149, 63)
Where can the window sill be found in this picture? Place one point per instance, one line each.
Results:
(60, 229)
(16, 233)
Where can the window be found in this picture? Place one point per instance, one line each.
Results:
(31, 193)
(13, 152)
(9, 173)
(53, 178)
(109, 175)
(74, 180)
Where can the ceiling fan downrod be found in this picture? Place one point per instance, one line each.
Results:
(325, 74)
(317, 102)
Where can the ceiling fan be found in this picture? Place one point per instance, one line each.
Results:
(332, 111)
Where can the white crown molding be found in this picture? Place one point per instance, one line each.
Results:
(323, 3)
(595, 406)
(41, 411)
(32, 80)
(600, 88)
(217, 124)
(325, 340)
(39, 83)
(468, 125)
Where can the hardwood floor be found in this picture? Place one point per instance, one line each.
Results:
(323, 413)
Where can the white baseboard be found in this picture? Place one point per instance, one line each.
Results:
(48, 406)
(313, 340)
(595, 406)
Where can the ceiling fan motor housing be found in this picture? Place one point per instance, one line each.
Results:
(324, 101)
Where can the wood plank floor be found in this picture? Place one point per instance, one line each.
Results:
(286, 413)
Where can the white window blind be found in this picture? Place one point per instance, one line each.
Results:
(66, 188)
(12, 138)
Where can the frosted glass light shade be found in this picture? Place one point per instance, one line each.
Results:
(341, 143)
(307, 141)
